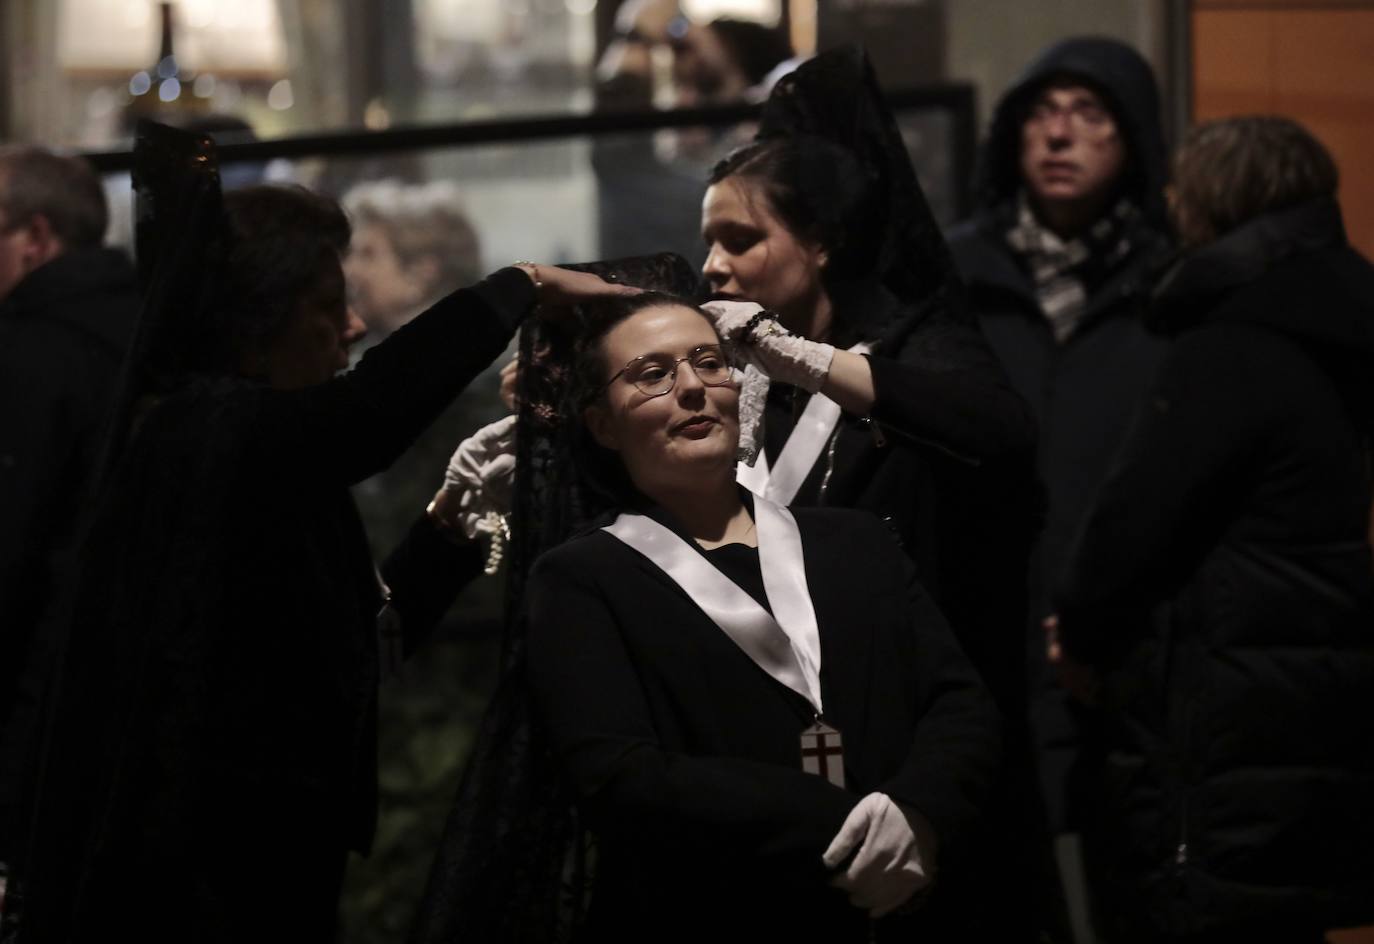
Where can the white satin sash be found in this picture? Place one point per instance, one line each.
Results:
(786, 644)
(799, 453)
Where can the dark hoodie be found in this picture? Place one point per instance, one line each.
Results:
(1083, 391)
(1223, 584)
(1123, 79)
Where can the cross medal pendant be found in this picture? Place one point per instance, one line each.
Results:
(822, 752)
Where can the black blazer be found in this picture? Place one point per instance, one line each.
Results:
(685, 755)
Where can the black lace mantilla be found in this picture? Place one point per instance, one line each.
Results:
(835, 97)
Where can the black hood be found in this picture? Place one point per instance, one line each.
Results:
(1125, 81)
(1291, 271)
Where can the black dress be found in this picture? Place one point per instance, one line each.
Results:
(685, 756)
(214, 755)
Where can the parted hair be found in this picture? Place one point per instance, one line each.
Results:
(64, 190)
(1231, 170)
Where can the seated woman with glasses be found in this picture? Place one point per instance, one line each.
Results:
(765, 720)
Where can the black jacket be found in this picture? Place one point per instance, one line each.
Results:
(218, 709)
(1223, 584)
(63, 333)
(1082, 392)
(685, 755)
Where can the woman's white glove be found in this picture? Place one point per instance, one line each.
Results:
(480, 474)
(895, 858)
(784, 357)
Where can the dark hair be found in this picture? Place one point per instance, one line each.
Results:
(601, 469)
(1232, 170)
(818, 190)
(64, 190)
(756, 49)
(281, 239)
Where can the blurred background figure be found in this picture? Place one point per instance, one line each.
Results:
(728, 60)
(412, 244)
(67, 311)
(1221, 589)
(1058, 258)
(661, 57)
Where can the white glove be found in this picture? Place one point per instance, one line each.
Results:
(753, 398)
(896, 857)
(782, 356)
(481, 472)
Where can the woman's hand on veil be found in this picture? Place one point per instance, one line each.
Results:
(558, 286)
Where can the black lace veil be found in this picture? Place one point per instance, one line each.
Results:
(835, 98)
(90, 696)
(180, 243)
(514, 864)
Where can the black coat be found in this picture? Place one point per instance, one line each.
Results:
(685, 755)
(63, 332)
(216, 733)
(1083, 392)
(1223, 585)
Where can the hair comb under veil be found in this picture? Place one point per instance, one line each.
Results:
(180, 241)
(514, 864)
(835, 97)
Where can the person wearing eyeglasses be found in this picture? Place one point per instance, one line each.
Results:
(766, 723)
(1058, 260)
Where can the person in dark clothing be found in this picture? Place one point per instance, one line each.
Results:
(67, 312)
(886, 397)
(1059, 259)
(1219, 601)
(212, 758)
(679, 655)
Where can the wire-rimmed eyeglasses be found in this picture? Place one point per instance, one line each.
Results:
(1090, 119)
(656, 374)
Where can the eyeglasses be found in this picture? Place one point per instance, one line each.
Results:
(656, 374)
(1089, 119)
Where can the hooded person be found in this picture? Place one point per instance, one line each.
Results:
(1058, 259)
(1221, 588)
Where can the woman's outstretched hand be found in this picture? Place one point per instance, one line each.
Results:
(895, 857)
(557, 286)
